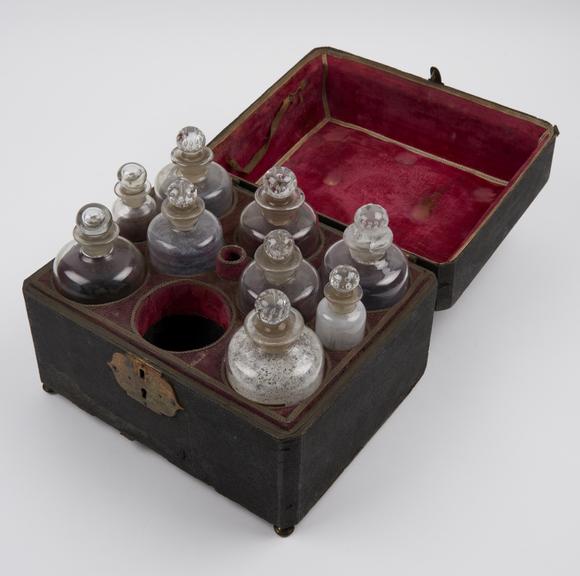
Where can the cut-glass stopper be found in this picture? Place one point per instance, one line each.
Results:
(279, 245)
(344, 278)
(181, 194)
(280, 182)
(190, 140)
(94, 219)
(132, 177)
(371, 221)
(272, 306)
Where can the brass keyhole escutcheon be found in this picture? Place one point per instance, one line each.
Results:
(144, 383)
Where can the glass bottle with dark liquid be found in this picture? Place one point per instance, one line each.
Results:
(279, 203)
(193, 160)
(278, 263)
(98, 266)
(185, 238)
(134, 207)
(367, 245)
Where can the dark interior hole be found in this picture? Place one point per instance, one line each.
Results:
(232, 256)
(143, 393)
(180, 332)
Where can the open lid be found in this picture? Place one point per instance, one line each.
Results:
(356, 132)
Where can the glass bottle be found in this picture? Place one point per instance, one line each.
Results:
(98, 266)
(193, 160)
(134, 208)
(279, 203)
(274, 359)
(185, 238)
(367, 245)
(278, 263)
(341, 316)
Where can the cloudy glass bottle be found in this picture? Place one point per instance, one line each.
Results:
(135, 207)
(341, 316)
(193, 160)
(185, 238)
(274, 359)
(367, 245)
(279, 203)
(98, 266)
(278, 263)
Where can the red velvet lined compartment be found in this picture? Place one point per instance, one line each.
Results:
(355, 132)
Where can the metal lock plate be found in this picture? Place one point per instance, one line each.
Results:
(144, 384)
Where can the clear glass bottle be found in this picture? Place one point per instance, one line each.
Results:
(135, 207)
(278, 263)
(185, 238)
(98, 266)
(279, 203)
(193, 160)
(274, 359)
(367, 245)
(341, 316)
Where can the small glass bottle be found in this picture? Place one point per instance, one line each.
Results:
(341, 316)
(193, 160)
(274, 359)
(367, 245)
(278, 263)
(135, 207)
(98, 266)
(185, 238)
(279, 203)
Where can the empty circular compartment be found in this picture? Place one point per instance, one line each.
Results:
(182, 316)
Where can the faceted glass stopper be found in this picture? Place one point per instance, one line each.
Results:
(272, 306)
(279, 245)
(344, 278)
(280, 182)
(181, 194)
(132, 176)
(371, 221)
(190, 139)
(94, 219)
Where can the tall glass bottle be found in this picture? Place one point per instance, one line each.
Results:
(98, 266)
(193, 160)
(274, 359)
(278, 263)
(341, 316)
(279, 203)
(367, 245)
(135, 207)
(185, 238)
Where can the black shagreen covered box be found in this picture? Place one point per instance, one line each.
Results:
(455, 173)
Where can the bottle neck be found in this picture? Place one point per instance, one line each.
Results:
(278, 272)
(96, 252)
(193, 165)
(342, 302)
(132, 198)
(275, 338)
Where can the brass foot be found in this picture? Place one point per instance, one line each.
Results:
(48, 389)
(284, 532)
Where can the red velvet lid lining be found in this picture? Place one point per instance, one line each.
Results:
(355, 132)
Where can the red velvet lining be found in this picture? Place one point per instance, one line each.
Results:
(434, 206)
(182, 298)
(430, 119)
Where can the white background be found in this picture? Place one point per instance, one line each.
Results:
(476, 473)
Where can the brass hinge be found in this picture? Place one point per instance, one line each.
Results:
(144, 383)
